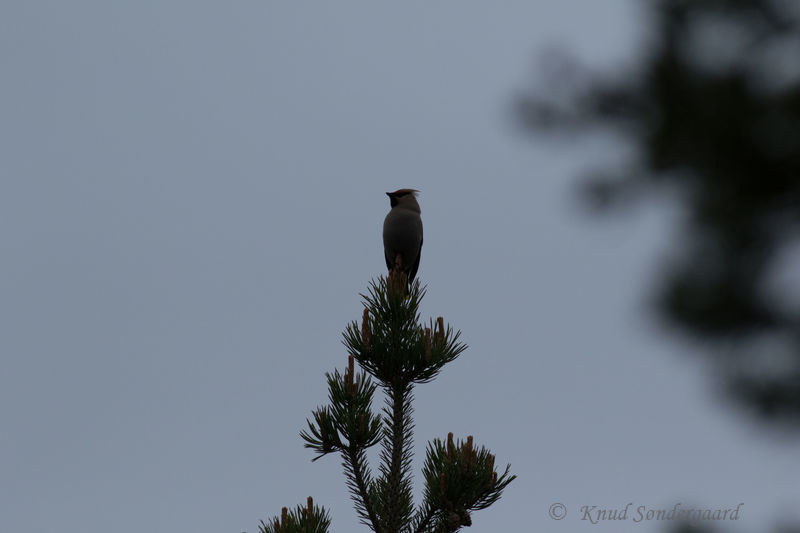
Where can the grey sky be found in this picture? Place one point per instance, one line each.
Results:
(192, 195)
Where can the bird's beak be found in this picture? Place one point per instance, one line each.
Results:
(389, 194)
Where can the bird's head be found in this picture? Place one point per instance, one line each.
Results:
(404, 198)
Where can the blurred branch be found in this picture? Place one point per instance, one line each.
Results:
(711, 109)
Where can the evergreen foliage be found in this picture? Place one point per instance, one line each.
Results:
(309, 519)
(710, 114)
(392, 347)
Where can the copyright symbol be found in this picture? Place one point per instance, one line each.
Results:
(557, 511)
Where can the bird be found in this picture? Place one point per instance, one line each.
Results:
(402, 233)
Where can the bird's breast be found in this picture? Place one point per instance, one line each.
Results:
(402, 231)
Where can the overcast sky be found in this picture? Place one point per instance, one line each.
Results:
(191, 200)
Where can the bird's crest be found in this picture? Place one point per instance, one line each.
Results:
(402, 192)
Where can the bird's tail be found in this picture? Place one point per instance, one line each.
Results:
(397, 280)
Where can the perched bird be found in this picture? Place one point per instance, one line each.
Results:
(402, 232)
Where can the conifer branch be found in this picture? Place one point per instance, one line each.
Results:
(308, 519)
(358, 481)
(396, 457)
(393, 347)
